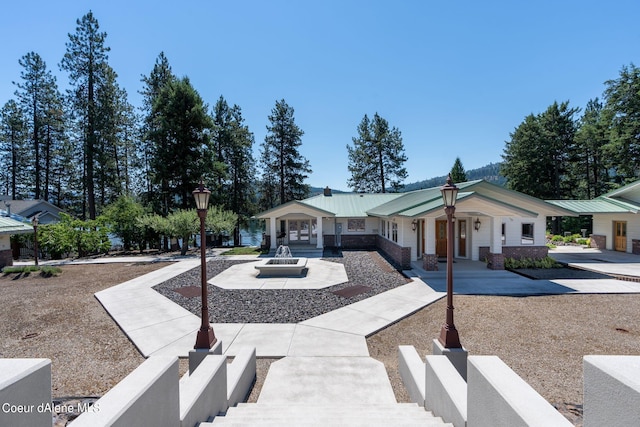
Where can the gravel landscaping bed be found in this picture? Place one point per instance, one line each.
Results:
(364, 268)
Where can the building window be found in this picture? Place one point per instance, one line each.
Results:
(527, 234)
(314, 228)
(383, 223)
(504, 234)
(354, 225)
(394, 232)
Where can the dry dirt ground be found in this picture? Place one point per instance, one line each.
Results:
(59, 318)
(542, 339)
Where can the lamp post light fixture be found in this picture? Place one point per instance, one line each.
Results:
(206, 338)
(449, 334)
(476, 224)
(34, 221)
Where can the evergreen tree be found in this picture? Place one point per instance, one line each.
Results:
(36, 93)
(284, 169)
(539, 152)
(589, 170)
(85, 61)
(623, 106)
(181, 143)
(377, 157)
(458, 173)
(232, 165)
(13, 150)
(160, 75)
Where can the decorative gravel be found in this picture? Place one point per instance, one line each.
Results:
(366, 268)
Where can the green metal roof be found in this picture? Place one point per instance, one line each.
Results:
(11, 226)
(349, 204)
(600, 205)
(418, 200)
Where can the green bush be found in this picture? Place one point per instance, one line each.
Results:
(45, 270)
(583, 241)
(547, 262)
(557, 238)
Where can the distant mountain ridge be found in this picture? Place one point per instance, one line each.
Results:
(490, 172)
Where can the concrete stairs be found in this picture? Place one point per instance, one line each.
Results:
(389, 414)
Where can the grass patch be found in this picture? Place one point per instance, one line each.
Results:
(245, 250)
(25, 270)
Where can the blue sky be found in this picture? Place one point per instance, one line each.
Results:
(454, 77)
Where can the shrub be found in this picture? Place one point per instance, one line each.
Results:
(557, 238)
(547, 262)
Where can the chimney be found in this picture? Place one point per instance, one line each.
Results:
(327, 191)
(8, 205)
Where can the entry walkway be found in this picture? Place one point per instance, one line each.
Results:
(474, 278)
(158, 326)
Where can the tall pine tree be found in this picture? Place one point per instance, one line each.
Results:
(623, 107)
(377, 157)
(85, 61)
(13, 150)
(181, 143)
(536, 159)
(38, 93)
(284, 169)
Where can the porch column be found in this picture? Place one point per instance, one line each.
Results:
(319, 238)
(495, 259)
(430, 235)
(495, 242)
(429, 257)
(272, 231)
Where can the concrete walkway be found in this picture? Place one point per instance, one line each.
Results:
(158, 326)
(326, 357)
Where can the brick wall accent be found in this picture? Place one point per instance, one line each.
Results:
(351, 241)
(6, 258)
(635, 248)
(495, 261)
(598, 241)
(266, 244)
(360, 241)
(430, 262)
(401, 255)
(516, 252)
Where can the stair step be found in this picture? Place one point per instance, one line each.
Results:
(257, 414)
(268, 410)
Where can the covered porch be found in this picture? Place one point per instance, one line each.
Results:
(296, 225)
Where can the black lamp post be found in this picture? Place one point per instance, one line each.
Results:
(34, 221)
(449, 334)
(206, 338)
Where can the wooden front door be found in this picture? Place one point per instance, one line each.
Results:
(441, 238)
(620, 236)
(462, 237)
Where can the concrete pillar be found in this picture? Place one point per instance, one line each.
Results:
(457, 356)
(495, 240)
(430, 235)
(320, 240)
(272, 231)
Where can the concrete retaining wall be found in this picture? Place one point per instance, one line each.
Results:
(241, 374)
(446, 391)
(147, 396)
(412, 372)
(497, 397)
(611, 391)
(25, 392)
(203, 394)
